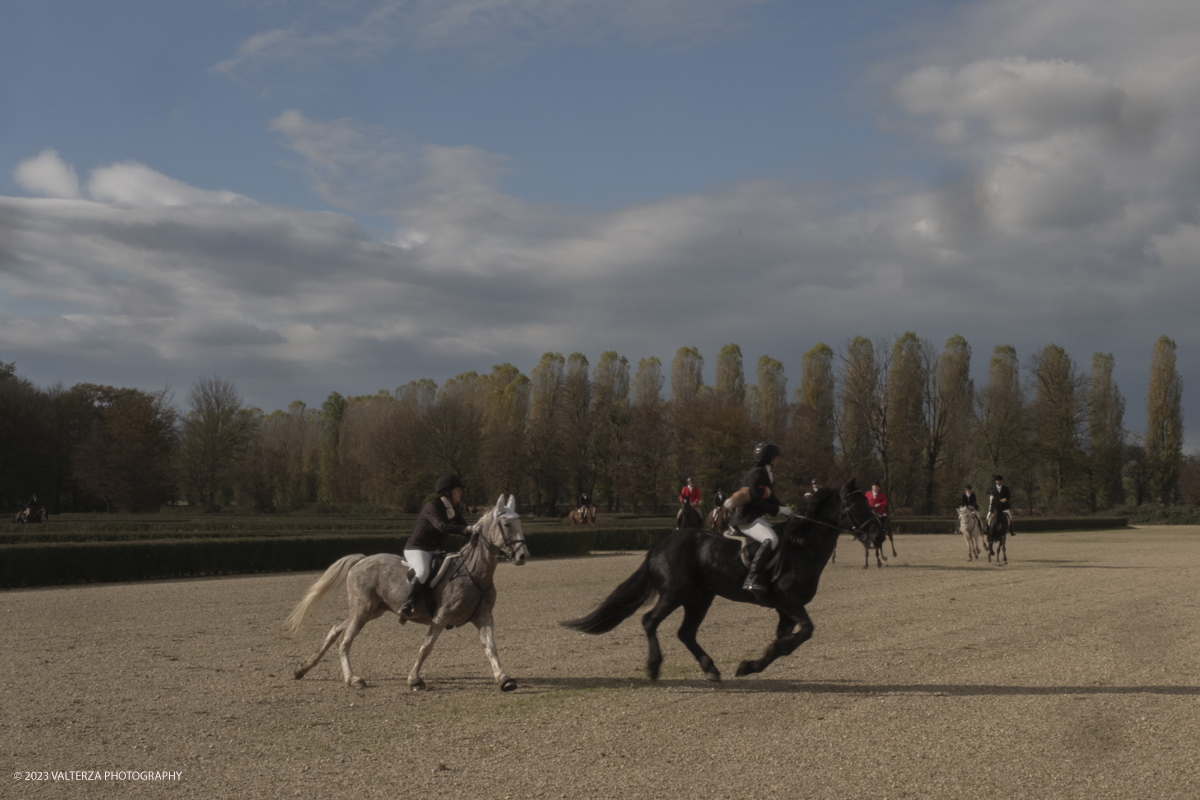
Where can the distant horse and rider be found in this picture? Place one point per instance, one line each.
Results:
(971, 528)
(583, 516)
(461, 591)
(688, 516)
(691, 567)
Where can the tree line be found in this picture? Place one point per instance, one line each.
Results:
(895, 410)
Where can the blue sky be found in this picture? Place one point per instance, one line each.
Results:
(351, 194)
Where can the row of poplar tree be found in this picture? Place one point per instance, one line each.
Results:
(895, 411)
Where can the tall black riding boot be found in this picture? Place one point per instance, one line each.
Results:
(754, 582)
(408, 608)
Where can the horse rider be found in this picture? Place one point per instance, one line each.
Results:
(585, 503)
(811, 493)
(878, 502)
(1000, 501)
(690, 493)
(441, 516)
(970, 500)
(719, 499)
(755, 500)
(31, 507)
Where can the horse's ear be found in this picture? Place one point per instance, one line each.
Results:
(512, 503)
(851, 487)
(500, 505)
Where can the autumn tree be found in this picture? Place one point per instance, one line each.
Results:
(686, 419)
(864, 425)
(506, 413)
(900, 445)
(544, 438)
(1106, 434)
(610, 427)
(127, 459)
(1058, 413)
(947, 398)
(1001, 428)
(216, 434)
(1164, 422)
(577, 426)
(813, 427)
(648, 436)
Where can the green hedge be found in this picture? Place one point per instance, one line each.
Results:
(53, 563)
(62, 562)
(920, 525)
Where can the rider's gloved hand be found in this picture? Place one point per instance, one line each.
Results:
(728, 504)
(786, 511)
(476, 528)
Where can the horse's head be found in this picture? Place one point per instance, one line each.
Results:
(855, 516)
(502, 528)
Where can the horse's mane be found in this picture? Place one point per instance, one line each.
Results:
(797, 527)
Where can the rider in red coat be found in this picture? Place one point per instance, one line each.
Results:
(690, 493)
(877, 500)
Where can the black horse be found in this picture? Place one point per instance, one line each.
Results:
(872, 541)
(690, 567)
(689, 516)
(997, 534)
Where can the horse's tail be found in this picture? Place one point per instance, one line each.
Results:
(333, 577)
(618, 606)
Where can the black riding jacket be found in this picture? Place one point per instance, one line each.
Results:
(999, 499)
(438, 520)
(969, 500)
(762, 495)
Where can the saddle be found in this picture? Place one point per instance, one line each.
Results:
(749, 547)
(442, 561)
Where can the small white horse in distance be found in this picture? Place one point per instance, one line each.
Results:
(463, 590)
(972, 530)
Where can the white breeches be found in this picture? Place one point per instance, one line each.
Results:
(420, 561)
(760, 531)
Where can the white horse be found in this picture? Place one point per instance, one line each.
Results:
(972, 530)
(463, 591)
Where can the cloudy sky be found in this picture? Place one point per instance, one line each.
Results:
(312, 195)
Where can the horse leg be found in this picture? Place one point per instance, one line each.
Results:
(414, 677)
(693, 615)
(794, 629)
(330, 638)
(353, 626)
(892, 542)
(866, 556)
(487, 637)
(650, 622)
(879, 556)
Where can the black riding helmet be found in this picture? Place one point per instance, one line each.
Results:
(446, 483)
(765, 453)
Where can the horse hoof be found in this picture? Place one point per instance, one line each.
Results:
(744, 668)
(358, 683)
(508, 685)
(419, 686)
(715, 677)
(298, 674)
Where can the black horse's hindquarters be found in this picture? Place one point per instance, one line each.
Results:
(689, 568)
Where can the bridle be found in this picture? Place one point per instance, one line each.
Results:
(507, 550)
(855, 527)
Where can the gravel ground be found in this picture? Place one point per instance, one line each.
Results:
(1069, 673)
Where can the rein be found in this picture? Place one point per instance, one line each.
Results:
(851, 530)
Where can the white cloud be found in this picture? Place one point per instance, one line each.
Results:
(47, 175)
(136, 184)
(486, 29)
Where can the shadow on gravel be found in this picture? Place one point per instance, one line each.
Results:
(973, 568)
(754, 686)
